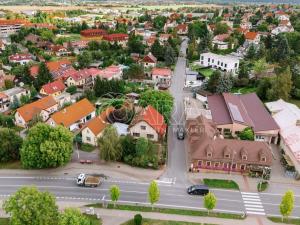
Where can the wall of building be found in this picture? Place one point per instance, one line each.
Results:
(136, 129)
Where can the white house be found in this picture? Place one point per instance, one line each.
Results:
(20, 58)
(227, 63)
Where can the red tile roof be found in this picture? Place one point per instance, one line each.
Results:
(153, 118)
(52, 66)
(20, 57)
(150, 58)
(116, 37)
(251, 35)
(93, 32)
(53, 87)
(161, 72)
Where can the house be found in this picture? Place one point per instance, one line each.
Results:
(148, 124)
(182, 29)
(11, 95)
(252, 37)
(94, 128)
(42, 108)
(109, 73)
(79, 78)
(227, 63)
(282, 29)
(221, 41)
(59, 50)
(20, 58)
(74, 116)
(4, 77)
(161, 75)
(149, 60)
(54, 88)
(233, 113)
(209, 151)
(170, 25)
(246, 25)
(77, 46)
(287, 116)
(120, 39)
(33, 38)
(163, 38)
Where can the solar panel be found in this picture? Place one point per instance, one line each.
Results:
(235, 112)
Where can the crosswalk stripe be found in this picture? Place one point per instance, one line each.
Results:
(249, 193)
(256, 213)
(255, 209)
(252, 203)
(248, 198)
(255, 206)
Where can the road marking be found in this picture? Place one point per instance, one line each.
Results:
(252, 203)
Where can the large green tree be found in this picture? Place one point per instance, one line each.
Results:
(72, 216)
(284, 84)
(28, 206)
(170, 55)
(84, 59)
(109, 145)
(114, 193)
(158, 50)
(135, 44)
(160, 100)
(287, 204)
(43, 76)
(213, 81)
(135, 71)
(153, 193)
(246, 134)
(47, 147)
(10, 145)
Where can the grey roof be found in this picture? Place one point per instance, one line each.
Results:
(14, 91)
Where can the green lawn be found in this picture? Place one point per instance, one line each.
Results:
(11, 165)
(243, 90)
(162, 222)
(285, 221)
(217, 183)
(4, 221)
(170, 211)
(207, 72)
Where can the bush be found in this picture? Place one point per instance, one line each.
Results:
(72, 90)
(138, 219)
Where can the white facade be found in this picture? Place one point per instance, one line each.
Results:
(225, 63)
(143, 129)
(8, 29)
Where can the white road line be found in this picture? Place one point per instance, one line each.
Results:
(256, 213)
(255, 209)
(252, 203)
(249, 193)
(255, 206)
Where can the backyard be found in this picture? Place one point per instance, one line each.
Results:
(207, 72)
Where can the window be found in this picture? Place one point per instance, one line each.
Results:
(259, 137)
(221, 64)
(213, 61)
(244, 157)
(136, 134)
(243, 167)
(143, 127)
(208, 163)
(235, 65)
(202, 57)
(199, 163)
(217, 164)
(208, 60)
(88, 139)
(209, 154)
(227, 156)
(218, 62)
(225, 65)
(220, 130)
(202, 62)
(264, 159)
(233, 166)
(150, 136)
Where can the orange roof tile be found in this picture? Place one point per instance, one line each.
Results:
(251, 35)
(29, 111)
(73, 113)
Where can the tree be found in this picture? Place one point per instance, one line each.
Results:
(221, 28)
(170, 55)
(246, 134)
(72, 216)
(114, 194)
(10, 145)
(8, 84)
(209, 201)
(213, 81)
(47, 147)
(84, 59)
(128, 146)
(243, 70)
(109, 145)
(43, 76)
(225, 84)
(71, 89)
(283, 85)
(141, 146)
(160, 100)
(153, 193)
(159, 22)
(94, 45)
(157, 50)
(29, 206)
(15, 103)
(287, 204)
(135, 71)
(135, 44)
(26, 77)
(282, 48)
(260, 67)
(251, 53)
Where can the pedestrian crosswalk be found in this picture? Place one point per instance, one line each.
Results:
(253, 203)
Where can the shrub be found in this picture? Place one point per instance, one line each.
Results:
(72, 90)
(138, 219)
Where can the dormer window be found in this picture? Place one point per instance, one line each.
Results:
(244, 157)
(263, 159)
(209, 154)
(227, 156)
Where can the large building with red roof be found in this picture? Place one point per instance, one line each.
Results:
(8, 27)
(54, 88)
(120, 39)
(149, 123)
(93, 33)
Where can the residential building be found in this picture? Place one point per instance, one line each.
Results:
(182, 29)
(42, 109)
(63, 99)
(227, 63)
(74, 116)
(149, 60)
(287, 116)
(59, 50)
(252, 38)
(221, 42)
(161, 75)
(282, 29)
(8, 27)
(54, 88)
(233, 113)
(11, 95)
(209, 151)
(94, 128)
(149, 123)
(109, 73)
(81, 77)
(93, 33)
(4, 102)
(77, 46)
(20, 58)
(120, 39)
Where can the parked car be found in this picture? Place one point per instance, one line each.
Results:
(198, 190)
(180, 133)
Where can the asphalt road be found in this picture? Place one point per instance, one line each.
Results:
(175, 196)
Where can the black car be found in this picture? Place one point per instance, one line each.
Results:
(180, 133)
(198, 190)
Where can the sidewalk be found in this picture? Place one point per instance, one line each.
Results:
(116, 217)
(113, 169)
